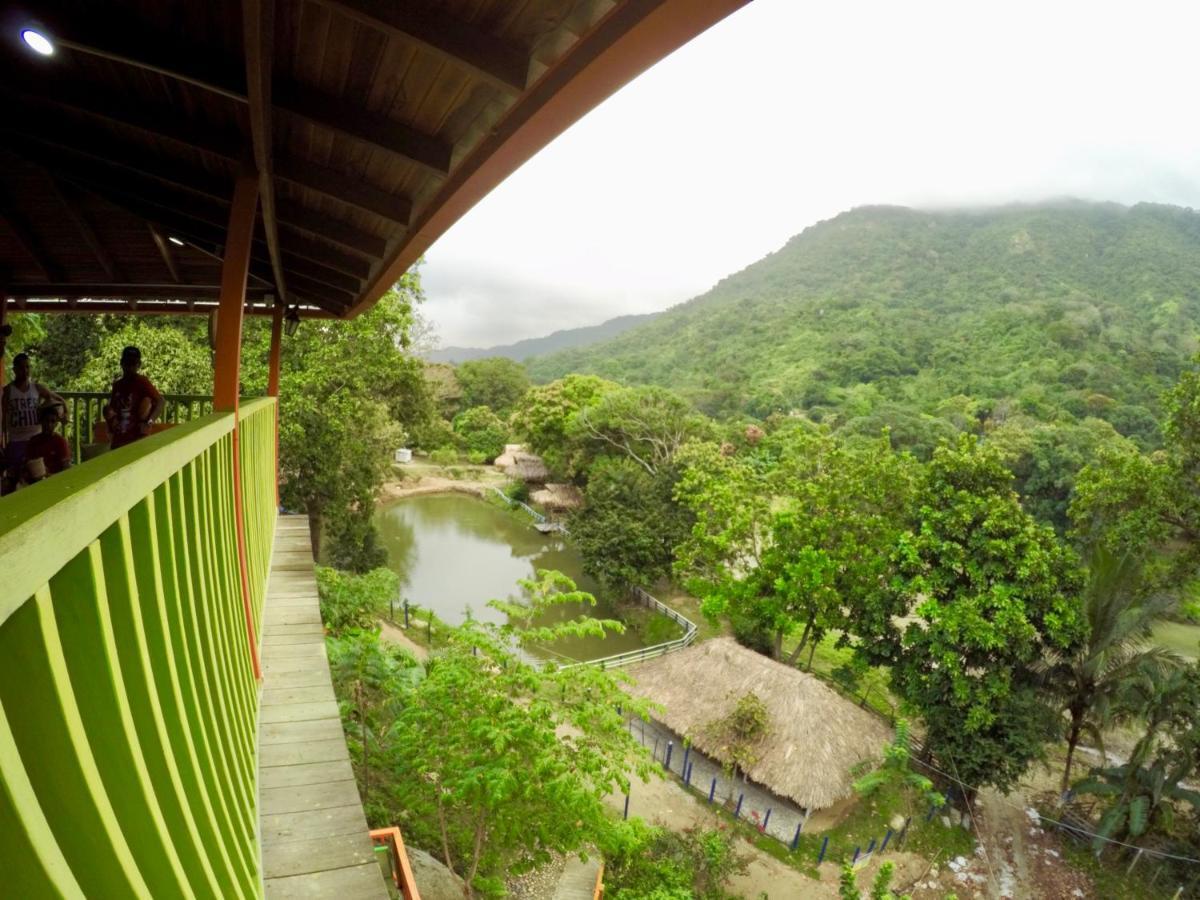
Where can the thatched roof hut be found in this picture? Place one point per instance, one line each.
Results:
(558, 497)
(816, 735)
(528, 468)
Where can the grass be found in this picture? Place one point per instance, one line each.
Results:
(1109, 876)
(1182, 637)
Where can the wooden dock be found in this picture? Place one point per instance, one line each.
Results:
(314, 833)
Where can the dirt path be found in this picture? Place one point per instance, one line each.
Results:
(394, 635)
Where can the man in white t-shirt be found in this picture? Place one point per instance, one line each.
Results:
(19, 420)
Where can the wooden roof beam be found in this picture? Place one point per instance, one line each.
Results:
(123, 41)
(501, 64)
(30, 243)
(164, 122)
(344, 188)
(258, 30)
(165, 251)
(70, 201)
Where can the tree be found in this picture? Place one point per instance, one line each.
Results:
(1119, 620)
(495, 382)
(982, 593)
(793, 535)
(897, 771)
(503, 762)
(629, 524)
(177, 360)
(481, 431)
(339, 384)
(645, 862)
(645, 425)
(545, 417)
(1148, 504)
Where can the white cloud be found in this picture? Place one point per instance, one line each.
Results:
(790, 112)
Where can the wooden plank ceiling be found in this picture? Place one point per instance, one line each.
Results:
(373, 126)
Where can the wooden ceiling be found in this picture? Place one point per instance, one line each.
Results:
(373, 126)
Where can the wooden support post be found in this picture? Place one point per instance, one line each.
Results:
(235, 269)
(273, 378)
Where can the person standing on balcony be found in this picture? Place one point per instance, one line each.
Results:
(134, 404)
(19, 419)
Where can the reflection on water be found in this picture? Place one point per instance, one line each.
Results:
(455, 552)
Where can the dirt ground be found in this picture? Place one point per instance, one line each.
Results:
(395, 635)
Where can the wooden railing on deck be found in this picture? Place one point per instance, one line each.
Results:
(86, 409)
(127, 700)
(402, 875)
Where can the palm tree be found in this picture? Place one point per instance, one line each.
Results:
(1119, 619)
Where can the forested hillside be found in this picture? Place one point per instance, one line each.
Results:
(551, 343)
(1072, 314)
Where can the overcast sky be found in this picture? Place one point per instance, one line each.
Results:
(789, 112)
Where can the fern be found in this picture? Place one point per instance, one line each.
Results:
(1139, 810)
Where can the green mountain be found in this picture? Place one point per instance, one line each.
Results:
(551, 343)
(1070, 313)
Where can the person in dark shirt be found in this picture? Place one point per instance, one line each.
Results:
(47, 452)
(134, 404)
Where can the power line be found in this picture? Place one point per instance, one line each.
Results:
(1074, 828)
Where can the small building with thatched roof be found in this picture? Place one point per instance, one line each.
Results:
(558, 497)
(815, 736)
(528, 468)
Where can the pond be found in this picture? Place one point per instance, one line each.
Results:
(455, 552)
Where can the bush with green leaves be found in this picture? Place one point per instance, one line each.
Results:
(444, 456)
(646, 862)
(354, 601)
(481, 431)
(881, 888)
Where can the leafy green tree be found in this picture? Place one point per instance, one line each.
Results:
(350, 601)
(982, 593)
(178, 362)
(629, 524)
(1148, 504)
(495, 382)
(339, 381)
(545, 418)
(481, 431)
(741, 733)
(1090, 680)
(502, 762)
(372, 681)
(794, 533)
(645, 862)
(897, 771)
(645, 425)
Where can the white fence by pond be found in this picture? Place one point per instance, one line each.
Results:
(640, 596)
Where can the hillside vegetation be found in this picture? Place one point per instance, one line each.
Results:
(1071, 313)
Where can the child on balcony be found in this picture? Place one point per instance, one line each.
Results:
(47, 453)
(19, 404)
(134, 404)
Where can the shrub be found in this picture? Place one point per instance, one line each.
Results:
(477, 457)
(354, 601)
(444, 456)
(481, 431)
(644, 861)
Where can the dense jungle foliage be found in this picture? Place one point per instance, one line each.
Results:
(1054, 327)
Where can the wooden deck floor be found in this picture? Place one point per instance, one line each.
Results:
(314, 833)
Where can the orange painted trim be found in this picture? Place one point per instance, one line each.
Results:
(235, 269)
(402, 870)
(628, 40)
(598, 891)
(3, 319)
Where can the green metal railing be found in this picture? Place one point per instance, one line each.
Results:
(85, 410)
(128, 705)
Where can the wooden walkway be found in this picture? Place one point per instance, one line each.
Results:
(578, 880)
(314, 833)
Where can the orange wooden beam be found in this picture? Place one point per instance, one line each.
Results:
(235, 270)
(631, 38)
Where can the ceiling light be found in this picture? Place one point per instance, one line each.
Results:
(176, 241)
(37, 42)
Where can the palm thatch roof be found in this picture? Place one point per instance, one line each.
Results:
(558, 497)
(528, 468)
(816, 736)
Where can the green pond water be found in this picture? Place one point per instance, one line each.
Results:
(454, 552)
